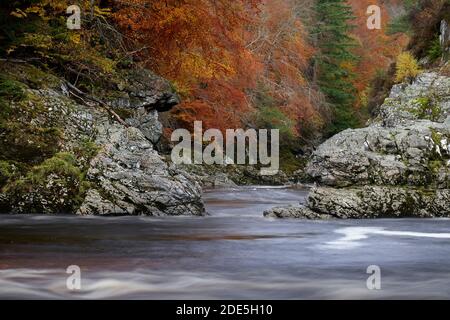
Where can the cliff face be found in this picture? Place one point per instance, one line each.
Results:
(67, 152)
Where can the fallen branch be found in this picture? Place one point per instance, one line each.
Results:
(19, 60)
(82, 96)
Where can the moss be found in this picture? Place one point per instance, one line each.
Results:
(426, 109)
(26, 129)
(289, 163)
(64, 172)
(30, 76)
(29, 143)
(10, 90)
(435, 165)
(436, 136)
(85, 151)
(6, 172)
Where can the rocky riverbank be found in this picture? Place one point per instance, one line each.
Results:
(398, 166)
(69, 153)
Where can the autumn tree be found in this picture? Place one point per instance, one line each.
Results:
(200, 46)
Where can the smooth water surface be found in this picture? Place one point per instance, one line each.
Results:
(234, 253)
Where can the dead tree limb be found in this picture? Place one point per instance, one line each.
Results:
(82, 96)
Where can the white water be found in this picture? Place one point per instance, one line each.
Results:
(233, 254)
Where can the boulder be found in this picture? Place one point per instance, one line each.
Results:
(132, 178)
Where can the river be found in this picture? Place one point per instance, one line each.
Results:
(234, 253)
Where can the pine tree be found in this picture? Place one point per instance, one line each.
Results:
(333, 42)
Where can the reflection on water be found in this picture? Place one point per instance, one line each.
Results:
(233, 254)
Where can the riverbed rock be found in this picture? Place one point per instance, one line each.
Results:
(380, 202)
(300, 212)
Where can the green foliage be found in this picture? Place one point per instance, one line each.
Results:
(62, 164)
(334, 59)
(25, 138)
(37, 29)
(427, 109)
(402, 23)
(86, 151)
(63, 172)
(269, 116)
(289, 163)
(274, 118)
(9, 91)
(6, 172)
(435, 51)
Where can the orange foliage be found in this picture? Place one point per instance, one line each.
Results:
(281, 43)
(219, 53)
(376, 49)
(199, 45)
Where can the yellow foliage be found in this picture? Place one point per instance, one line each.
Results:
(40, 41)
(18, 14)
(407, 67)
(102, 12)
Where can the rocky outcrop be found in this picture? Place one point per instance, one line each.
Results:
(132, 178)
(399, 166)
(95, 165)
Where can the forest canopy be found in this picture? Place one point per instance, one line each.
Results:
(305, 67)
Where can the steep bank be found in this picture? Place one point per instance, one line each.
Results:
(68, 152)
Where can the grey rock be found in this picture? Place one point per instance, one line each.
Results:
(293, 212)
(427, 98)
(148, 123)
(136, 179)
(444, 37)
(380, 202)
(382, 155)
(94, 203)
(141, 88)
(127, 176)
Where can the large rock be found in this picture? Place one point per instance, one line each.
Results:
(141, 88)
(132, 178)
(138, 97)
(413, 154)
(380, 202)
(399, 166)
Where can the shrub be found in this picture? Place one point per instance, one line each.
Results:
(407, 67)
(435, 51)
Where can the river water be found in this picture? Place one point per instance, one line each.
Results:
(234, 253)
